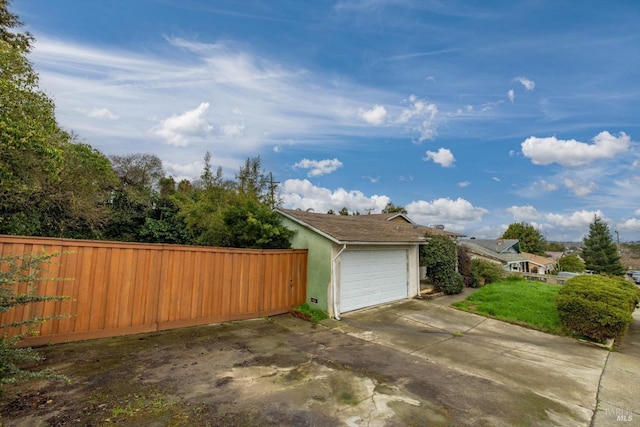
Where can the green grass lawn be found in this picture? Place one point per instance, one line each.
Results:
(517, 301)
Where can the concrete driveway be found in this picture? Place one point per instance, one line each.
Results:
(415, 362)
(491, 371)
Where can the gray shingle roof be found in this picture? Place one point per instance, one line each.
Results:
(380, 228)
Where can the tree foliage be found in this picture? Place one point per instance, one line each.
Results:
(464, 265)
(600, 254)
(19, 279)
(555, 247)
(439, 256)
(391, 208)
(50, 183)
(531, 240)
(571, 263)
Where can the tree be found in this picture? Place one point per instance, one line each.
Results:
(252, 181)
(8, 25)
(344, 211)
(250, 224)
(30, 148)
(554, 247)
(531, 240)
(50, 183)
(391, 208)
(141, 171)
(571, 263)
(600, 254)
(165, 225)
(439, 256)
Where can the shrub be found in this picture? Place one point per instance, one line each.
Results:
(485, 272)
(597, 307)
(14, 272)
(439, 256)
(464, 265)
(454, 285)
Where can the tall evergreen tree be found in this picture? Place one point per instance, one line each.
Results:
(600, 254)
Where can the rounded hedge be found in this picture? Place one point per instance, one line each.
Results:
(597, 307)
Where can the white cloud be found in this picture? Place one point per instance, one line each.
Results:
(578, 220)
(511, 94)
(637, 212)
(102, 113)
(277, 149)
(179, 172)
(302, 194)
(463, 184)
(544, 185)
(524, 213)
(578, 187)
(232, 130)
(318, 167)
(445, 211)
(443, 157)
(631, 225)
(495, 178)
(572, 153)
(372, 179)
(421, 116)
(177, 128)
(528, 84)
(375, 116)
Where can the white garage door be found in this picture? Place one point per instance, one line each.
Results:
(369, 278)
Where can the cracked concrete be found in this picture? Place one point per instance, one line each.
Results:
(415, 362)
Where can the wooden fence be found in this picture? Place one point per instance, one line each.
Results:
(126, 288)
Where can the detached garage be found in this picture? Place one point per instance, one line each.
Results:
(358, 261)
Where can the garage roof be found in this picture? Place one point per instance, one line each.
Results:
(374, 228)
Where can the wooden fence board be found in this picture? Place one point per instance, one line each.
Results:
(120, 288)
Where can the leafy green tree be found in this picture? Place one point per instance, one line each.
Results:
(165, 225)
(134, 199)
(571, 263)
(250, 224)
(391, 208)
(600, 254)
(16, 271)
(30, 148)
(531, 240)
(439, 256)
(50, 184)
(344, 211)
(554, 247)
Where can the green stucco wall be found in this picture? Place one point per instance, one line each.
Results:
(318, 262)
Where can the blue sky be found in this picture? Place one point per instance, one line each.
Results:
(470, 114)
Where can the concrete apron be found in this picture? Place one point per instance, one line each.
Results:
(530, 377)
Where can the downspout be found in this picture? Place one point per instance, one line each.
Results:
(335, 283)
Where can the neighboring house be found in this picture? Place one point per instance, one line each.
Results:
(505, 252)
(358, 261)
(539, 264)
